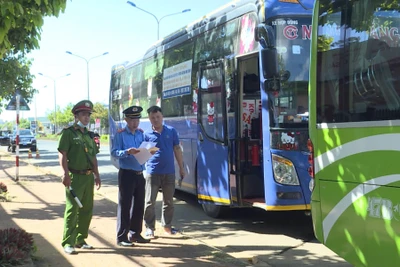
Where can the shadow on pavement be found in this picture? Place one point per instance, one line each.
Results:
(293, 224)
(44, 248)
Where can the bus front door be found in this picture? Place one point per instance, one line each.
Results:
(213, 189)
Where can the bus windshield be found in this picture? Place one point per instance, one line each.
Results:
(293, 46)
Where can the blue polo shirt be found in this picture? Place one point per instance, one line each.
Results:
(124, 140)
(162, 162)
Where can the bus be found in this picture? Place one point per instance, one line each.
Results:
(235, 86)
(355, 129)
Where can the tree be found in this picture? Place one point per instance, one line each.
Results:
(64, 117)
(15, 74)
(21, 23)
(100, 112)
(20, 27)
(24, 124)
(10, 125)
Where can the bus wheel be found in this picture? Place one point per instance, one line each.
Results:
(214, 211)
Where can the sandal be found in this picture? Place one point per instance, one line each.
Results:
(171, 231)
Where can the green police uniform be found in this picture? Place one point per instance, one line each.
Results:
(77, 144)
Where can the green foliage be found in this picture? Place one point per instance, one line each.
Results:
(21, 22)
(329, 7)
(24, 124)
(20, 27)
(16, 246)
(100, 112)
(324, 43)
(64, 116)
(7, 126)
(10, 125)
(15, 74)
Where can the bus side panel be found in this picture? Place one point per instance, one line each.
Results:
(343, 222)
(317, 220)
(382, 225)
(186, 129)
(188, 184)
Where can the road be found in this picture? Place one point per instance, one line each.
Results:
(266, 238)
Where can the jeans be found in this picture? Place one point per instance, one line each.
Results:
(167, 184)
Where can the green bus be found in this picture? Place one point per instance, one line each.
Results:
(354, 125)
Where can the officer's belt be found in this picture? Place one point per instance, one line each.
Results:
(85, 172)
(133, 171)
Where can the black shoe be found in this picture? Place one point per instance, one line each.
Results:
(138, 239)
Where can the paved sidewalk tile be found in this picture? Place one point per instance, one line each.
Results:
(37, 206)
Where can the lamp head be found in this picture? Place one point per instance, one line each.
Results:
(131, 3)
(105, 53)
(186, 10)
(40, 73)
(68, 52)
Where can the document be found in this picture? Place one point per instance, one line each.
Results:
(144, 152)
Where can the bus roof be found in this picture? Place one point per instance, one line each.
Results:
(124, 65)
(234, 9)
(229, 11)
(215, 18)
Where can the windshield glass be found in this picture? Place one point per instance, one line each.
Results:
(290, 105)
(23, 132)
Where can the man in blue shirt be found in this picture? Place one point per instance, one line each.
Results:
(131, 183)
(160, 171)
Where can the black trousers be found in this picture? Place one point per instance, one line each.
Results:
(131, 192)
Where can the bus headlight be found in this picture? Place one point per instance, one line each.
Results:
(284, 172)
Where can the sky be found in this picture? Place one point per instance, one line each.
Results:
(89, 28)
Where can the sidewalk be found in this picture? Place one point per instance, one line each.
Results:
(37, 206)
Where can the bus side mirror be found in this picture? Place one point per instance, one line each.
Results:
(269, 62)
(264, 34)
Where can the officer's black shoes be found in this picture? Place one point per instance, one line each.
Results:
(136, 238)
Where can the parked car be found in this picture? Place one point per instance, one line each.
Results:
(26, 140)
(4, 138)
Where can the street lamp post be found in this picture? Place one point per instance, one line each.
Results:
(55, 99)
(158, 20)
(87, 66)
(36, 122)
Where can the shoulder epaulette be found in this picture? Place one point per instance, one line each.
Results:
(67, 127)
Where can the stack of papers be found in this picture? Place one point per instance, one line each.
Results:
(145, 150)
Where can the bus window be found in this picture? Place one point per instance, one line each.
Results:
(177, 79)
(211, 86)
(357, 69)
(150, 93)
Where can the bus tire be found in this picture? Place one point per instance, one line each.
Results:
(214, 211)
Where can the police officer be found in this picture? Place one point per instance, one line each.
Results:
(77, 156)
(131, 183)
